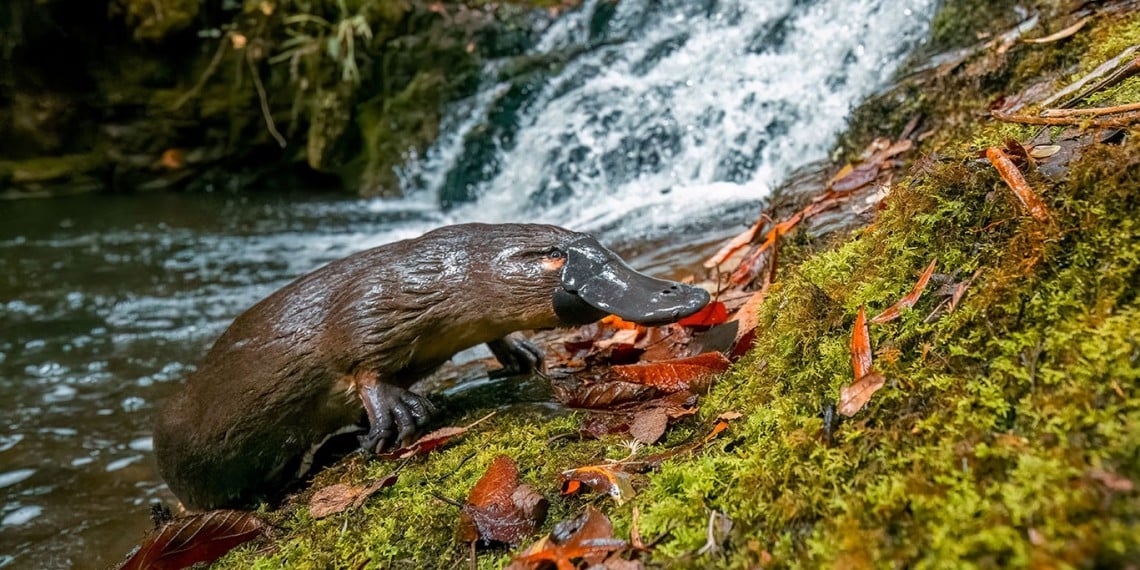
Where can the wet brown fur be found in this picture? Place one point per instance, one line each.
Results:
(282, 376)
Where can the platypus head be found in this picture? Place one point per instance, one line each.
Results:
(581, 280)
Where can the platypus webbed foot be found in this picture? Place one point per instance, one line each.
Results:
(393, 415)
(517, 355)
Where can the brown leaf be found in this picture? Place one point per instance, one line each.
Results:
(860, 346)
(588, 537)
(1016, 182)
(852, 398)
(498, 509)
(203, 537)
(694, 373)
(599, 394)
(608, 479)
(648, 427)
(338, 498)
(894, 311)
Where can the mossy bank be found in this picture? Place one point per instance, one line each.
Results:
(1008, 431)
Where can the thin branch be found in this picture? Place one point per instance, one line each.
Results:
(1123, 121)
(264, 101)
(1095, 111)
(210, 69)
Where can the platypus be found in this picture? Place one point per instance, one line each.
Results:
(335, 350)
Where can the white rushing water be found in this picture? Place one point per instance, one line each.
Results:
(673, 112)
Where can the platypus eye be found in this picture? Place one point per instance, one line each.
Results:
(555, 253)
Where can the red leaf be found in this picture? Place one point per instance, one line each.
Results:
(860, 346)
(713, 314)
(203, 537)
(894, 311)
(694, 373)
(498, 509)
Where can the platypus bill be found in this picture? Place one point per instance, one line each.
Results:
(340, 345)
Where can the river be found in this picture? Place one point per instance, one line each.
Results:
(661, 129)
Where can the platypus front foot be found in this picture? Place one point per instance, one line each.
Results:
(393, 415)
(517, 355)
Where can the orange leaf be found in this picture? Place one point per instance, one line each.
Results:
(617, 322)
(852, 398)
(674, 375)
(1016, 182)
(607, 479)
(714, 313)
(203, 537)
(894, 311)
(338, 498)
(861, 346)
(734, 245)
(588, 537)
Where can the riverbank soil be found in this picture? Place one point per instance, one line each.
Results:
(1003, 429)
(225, 95)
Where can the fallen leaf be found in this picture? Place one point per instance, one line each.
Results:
(608, 479)
(588, 537)
(712, 314)
(338, 498)
(852, 398)
(860, 346)
(694, 373)
(173, 159)
(599, 394)
(1016, 182)
(498, 509)
(194, 539)
(895, 311)
(648, 427)
(1045, 150)
(654, 461)
(1112, 480)
(729, 416)
(431, 440)
(735, 244)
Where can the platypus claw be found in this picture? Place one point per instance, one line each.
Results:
(391, 410)
(517, 355)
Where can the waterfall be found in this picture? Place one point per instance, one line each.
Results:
(641, 117)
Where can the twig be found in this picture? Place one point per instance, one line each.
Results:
(1016, 182)
(1095, 111)
(1101, 70)
(1119, 122)
(210, 69)
(264, 101)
